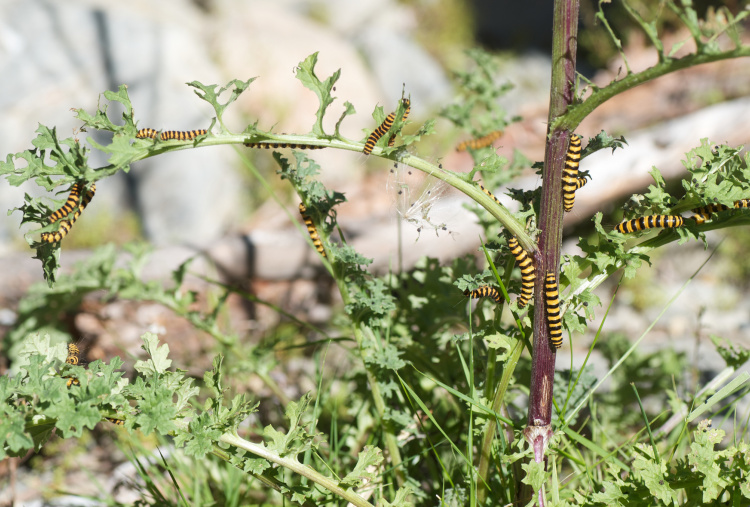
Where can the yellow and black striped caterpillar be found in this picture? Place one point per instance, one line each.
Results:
(116, 422)
(570, 179)
(66, 225)
(179, 135)
(704, 213)
(552, 300)
(311, 230)
(649, 222)
(485, 291)
(73, 358)
(70, 204)
(528, 275)
(407, 106)
(488, 193)
(146, 134)
(272, 144)
(379, 132)
(475, 144)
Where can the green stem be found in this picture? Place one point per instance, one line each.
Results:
(296, 467)
(391, 443)
(485, 456)
(578, 112)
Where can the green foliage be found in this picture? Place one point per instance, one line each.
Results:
(429, 392)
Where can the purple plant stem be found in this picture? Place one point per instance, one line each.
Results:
(562, 93)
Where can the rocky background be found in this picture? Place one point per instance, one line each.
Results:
(58, 55)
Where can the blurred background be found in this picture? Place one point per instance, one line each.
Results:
(58, 55)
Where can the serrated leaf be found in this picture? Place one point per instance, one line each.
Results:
(305, 72)
(211, 95)
(369, 457)
(158, 362)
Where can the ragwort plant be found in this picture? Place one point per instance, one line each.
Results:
(437, 415)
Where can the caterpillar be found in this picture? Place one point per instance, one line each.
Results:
(179, 135)
(649, 222)
(70, 204)
(704, 213)
(378, 133)
(73, 355)
(552, 298)
(570, 178)
(527, 272)
(146, 134)
(311, 230)
(581, 182)
(66, 225)
(481, 142)
(295, 146)
(483, 292)
(488, 193)
(117, 422)
(407, 106)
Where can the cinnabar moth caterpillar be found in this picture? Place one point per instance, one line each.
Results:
(488, 193)
(73, 354)
(570, 172)
(295, 146)
(528, 274)
(117, 422)
(475, 144)
(66, 225)
(485, 291)
(311, 230)
(742, 203)
(552, 300)
(704, 212)
(70, 204)
(581, 182)
(378, 133)
(179, 135)
(649, 222)
(407, 105)
(146, 134)
(73, 358)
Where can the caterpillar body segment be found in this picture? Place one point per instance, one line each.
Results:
(552, 300)
(116, 422)
(169, 135)
(580, 182)
(742, 203)
(704, 213)
(481, 142)
(182, 135)
(378, 133)
(267, 145)
(649, 222)
(311, 230)
(146, 134)
(73, 358)
(66, 225)
(528, 275)
(407, 109)
(73, 354)
(489, 193)
(571, 181)
(485, 291)
(70, 203)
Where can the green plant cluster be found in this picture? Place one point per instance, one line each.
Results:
(433, 403)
